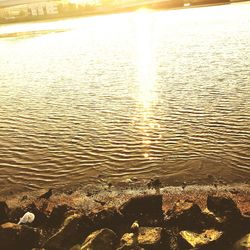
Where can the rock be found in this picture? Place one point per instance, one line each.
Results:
(243, 243)
(135, 227)
(104, 239)
(4, 211)
(18, 237)
(185, 214)
(76, 247)
(58, 214)
(219, 220)
(128, 241)
(46, 195)
(146, 209)
(154, 183)
(41, 219)
(108, 218)
(73, 231)
(190, 239)
(233, 223)
(147, 237)
(222, 206)
(246, 222)
(15, 214)
(172, 239)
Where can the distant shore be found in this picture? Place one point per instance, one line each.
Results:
(107, 11)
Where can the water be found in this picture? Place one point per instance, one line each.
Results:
(113, 97)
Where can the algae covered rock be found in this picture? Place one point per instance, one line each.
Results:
(18, 237)
(104, 239)
(193, 240)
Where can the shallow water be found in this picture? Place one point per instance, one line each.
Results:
(141, 94)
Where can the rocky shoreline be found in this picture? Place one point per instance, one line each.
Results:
(149, 218)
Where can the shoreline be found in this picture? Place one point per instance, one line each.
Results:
(86, 196)
(87, 217)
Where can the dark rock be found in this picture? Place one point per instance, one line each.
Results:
(149, 238)
(184, 184)
(76, 247)
(74, 230)
(25, 197)
(172, 239)
(135, 227)
(4, 211)
(17, 237)
(154, 183)
(185, 215)
(58, 214)
(209, 220)
(246, 222)
(109, 218)
(104, 239)
(16, 213)
(41, 219)
(222, 206)
(205, 240)
(243, 243)
(234, 224)
(100, 202)
(46, 195)
(146, 209)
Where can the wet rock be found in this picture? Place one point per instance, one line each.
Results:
(222, 206)
(185, 214)
(73, 231)
(149, 238)
(18, 237)
(206, 239)
(4, 211)
(146, 209)
(104, 239)
(243, 243)
(58, 214)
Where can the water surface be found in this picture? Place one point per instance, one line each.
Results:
(141, 94)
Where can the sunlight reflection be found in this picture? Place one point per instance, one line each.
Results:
(145, 57)
(146, 70)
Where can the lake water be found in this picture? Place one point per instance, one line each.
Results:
(142, 94)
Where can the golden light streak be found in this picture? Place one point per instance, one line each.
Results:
(145, 57)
